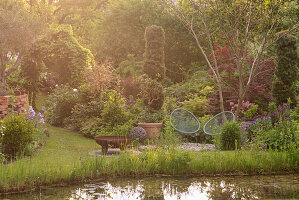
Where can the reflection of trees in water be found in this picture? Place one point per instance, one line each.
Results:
(199, 188)
(222, 188)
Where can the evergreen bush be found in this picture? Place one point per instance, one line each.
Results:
(154, 65)
(152, 94)
(17, 133)
(230, 136)
(286, 71)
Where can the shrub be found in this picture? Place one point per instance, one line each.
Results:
(90, 127)
(230, 136)
(201, 137)
(2, 158)
(152, 94)
(60, 104)
(154, 65)
(276, 130)
(138, 133)
(81, 113)
(17, 134)
(286, 71)
(168, 136)
(114, 111)
(196, 105)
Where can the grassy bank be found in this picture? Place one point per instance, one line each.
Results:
(64, 160)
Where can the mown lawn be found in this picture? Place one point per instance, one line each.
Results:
(53, 161)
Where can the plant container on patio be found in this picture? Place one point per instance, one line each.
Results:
(153, 130)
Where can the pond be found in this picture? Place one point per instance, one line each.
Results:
(233, 187)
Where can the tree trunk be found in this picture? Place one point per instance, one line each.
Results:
(2, 85)
(221, 102)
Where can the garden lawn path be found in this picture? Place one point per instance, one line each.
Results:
(62, 148)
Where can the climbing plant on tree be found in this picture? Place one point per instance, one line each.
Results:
(154, 65)
(286, 71)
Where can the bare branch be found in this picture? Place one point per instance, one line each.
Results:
(15, 66)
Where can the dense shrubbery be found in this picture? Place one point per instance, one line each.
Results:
(20, 135)
(17, 133)
(60, 104)
(276, 130)
(230, 136)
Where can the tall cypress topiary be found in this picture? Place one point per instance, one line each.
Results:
(154, 65)
(286, 71)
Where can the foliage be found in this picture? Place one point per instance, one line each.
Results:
(120, 32)
(114, 111)
(17, 133)
(82, 112)
(259, 90)
(77, 167)
(100, 77)
(154, 65)
(90, 128)
(31, 73)
(248, 111)
(63, 56)
(286, 72)
(276, 130)
(2, 158)
(216, 24)
(196, 105)
(168, 136)
(129, 71)
(21, 28)
(60, 104)
(200, 136)
(95, 127)
(115, 118)
(138, 133)
(152, 93)
(230, 136)
(130, 67)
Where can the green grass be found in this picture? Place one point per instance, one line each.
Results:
(41, 100)
(64, 160)
(53, 162)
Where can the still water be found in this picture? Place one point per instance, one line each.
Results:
(222, 188)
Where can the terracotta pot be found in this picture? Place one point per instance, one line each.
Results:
(153, 130)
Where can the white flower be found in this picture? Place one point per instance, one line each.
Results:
(75, 90)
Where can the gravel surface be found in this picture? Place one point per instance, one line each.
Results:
(185, 146)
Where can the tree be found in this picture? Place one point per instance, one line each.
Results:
(154, 65)
(286, 72)
(19, 31)
(120, 32)
(244, 26)
(64, 56)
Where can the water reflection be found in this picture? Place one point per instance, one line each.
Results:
(180, 188)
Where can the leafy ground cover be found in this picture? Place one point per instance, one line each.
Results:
(64, 160)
